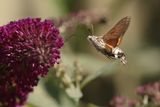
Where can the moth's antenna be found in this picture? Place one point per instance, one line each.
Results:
(91, 29)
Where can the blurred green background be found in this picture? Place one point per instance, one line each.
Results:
(141, 44)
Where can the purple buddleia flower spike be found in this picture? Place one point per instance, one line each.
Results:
(28, 48)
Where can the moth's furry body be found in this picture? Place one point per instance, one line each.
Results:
(100, 45)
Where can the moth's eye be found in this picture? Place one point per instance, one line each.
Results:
(120, 54)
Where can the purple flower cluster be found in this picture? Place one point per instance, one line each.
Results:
(120, 101)
(87, 18)
(84, 17)
(152, 90)
(28, 48)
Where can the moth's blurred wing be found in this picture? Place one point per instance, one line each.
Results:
(114, 36)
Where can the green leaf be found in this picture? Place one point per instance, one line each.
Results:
(107, 69)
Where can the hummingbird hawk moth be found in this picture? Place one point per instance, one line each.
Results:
(108, 44)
